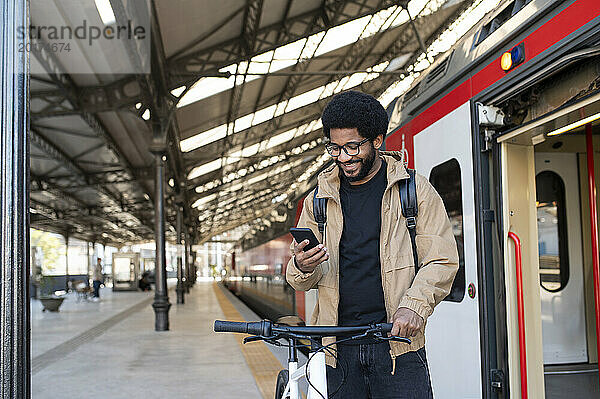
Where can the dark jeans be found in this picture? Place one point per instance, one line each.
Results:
(97, 288)
(369, 374)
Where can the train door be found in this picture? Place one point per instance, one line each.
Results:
(544, 186)
(443, 153)
(560, 258)
(520, 219)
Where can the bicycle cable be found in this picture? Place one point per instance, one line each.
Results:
(336, 357)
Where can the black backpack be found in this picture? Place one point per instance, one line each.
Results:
(408, 201)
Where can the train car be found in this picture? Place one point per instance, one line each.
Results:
(499, 125)
(257, 276)
(502, 125)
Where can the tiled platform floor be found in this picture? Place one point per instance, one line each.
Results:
(123, 357)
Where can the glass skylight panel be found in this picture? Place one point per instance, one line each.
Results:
(204, 169)
(264, 114)
(243, 123)
(204, 200)
(342, 35)
(353, 80)
(280, 138)
(106, 12)
(280, 109)
(261, 62)
(287, 55)
(177, 92)
(246, 152)
(312, 43)
(303, 99)
(235, 187)
(388, 16)
(203, 138)
(206, 87)
(398, 62)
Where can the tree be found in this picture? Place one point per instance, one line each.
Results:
(46, 250)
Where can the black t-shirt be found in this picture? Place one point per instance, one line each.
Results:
(361, 293)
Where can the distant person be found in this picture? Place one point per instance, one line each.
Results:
(144, 283)
(97, 280)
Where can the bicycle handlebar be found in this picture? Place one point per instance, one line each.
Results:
(255, 328)
(267, 328)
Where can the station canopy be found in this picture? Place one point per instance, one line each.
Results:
(229, 93)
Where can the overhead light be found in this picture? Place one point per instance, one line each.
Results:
(106, 12)
(575, 125)
(146, 115)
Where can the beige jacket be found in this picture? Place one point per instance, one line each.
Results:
(436, 248)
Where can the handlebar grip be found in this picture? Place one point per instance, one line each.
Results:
(231, 326)
(386, 327)
(262, 328)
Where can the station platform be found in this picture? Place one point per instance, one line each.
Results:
(109, 349)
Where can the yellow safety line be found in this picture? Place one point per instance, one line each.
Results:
(263, 364)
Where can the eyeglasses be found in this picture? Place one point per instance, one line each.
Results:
(351, 148)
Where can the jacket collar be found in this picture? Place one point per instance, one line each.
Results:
(329, 179)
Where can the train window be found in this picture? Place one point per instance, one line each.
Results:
(509, 10)
(552, 231)
(446, 180)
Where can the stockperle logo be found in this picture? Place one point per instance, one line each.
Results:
(88, 36)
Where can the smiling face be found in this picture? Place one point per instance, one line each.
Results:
(359, 168)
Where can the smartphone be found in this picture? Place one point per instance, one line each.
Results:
(303, 233)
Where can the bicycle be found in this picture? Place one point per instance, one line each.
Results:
(314, 371)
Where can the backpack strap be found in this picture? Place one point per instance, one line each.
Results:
(410, 209)
(320, 211)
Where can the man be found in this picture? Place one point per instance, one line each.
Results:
(370, 276)
(97, 280)
(144, 283)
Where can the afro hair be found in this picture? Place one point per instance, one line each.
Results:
(353, 109)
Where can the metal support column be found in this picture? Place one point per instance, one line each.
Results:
(180, 288)
(188, 264)
(15, 366)
(193, 268)
(89, 261)
(67, 261)
(161, 303)
(594, 230)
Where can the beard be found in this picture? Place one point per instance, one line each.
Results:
(365, 167)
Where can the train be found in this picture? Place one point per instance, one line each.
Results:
(503, 125)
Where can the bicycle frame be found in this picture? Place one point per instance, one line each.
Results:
(317, 374)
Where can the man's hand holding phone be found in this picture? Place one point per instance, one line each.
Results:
(307, 260)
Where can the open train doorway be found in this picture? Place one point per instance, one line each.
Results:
(546, 195)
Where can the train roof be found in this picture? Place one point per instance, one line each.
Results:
(484, 39)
